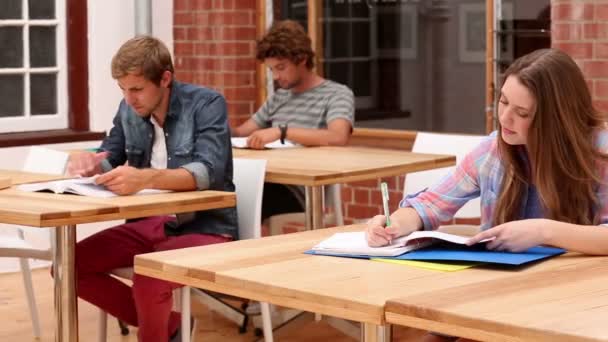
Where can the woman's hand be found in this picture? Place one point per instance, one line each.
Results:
(514, 236)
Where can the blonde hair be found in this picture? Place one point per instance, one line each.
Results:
(563, 160)
(142, 55)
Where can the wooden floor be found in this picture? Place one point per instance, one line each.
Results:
(16, 325)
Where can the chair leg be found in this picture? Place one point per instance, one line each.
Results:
(31, 299)
(102, 326)
(266, 321)
(185, 302)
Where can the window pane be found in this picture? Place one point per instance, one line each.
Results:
(43, 97)
(11, 88)
(10, 9)
(11, 41)
(362, 78)
(42, 46)
(41, 9)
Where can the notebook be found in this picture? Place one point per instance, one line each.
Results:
(241, 142)
(355, 243)
(80, 186)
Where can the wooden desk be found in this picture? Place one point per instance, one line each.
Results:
(20, 177)
(314, 167)
(65, 211)
(275, 270)
(562, 299)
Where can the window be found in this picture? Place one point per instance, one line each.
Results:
(32, 65)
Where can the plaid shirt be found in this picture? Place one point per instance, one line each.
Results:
(480, 174)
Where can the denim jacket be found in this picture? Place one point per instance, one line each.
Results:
(198, 140)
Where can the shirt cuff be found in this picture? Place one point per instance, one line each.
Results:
(106, 166)
(200, 174)
(410, 201)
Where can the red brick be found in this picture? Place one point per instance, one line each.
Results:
(593, 69)
(239, 64)
(576, 50)
(372, 183)
(566, 31)
(601, 105)
(183, 18)
(600, 50)
(240, 108)
(181, 5)
(184, 49)
(245, 4)
(394, 197)
(375, 196)
(240, 18)
(236, 33)
(595, 31)
(241, 94)
(572, 11)
(202, 19)
(202, 49)
(347, 194)
(179, 33)
(361, 196)
(240, 79)
(601, 12)
(356, 211)
(200, 4)
(600, 89)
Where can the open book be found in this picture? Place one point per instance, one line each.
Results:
(80, 186)
(241, 142)
(355, 243)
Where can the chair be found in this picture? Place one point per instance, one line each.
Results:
(332, 198)
(438, 143)
(249, 181)
(40, 160)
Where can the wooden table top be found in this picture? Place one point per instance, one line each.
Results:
(567, 300)
(314, 166)
(39, 209)
(20, 177)
(274, 269)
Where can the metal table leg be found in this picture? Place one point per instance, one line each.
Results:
(66, 307)
(314, 207)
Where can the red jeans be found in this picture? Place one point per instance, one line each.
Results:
(148, 303)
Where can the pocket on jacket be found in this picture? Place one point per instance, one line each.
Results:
(135, 156)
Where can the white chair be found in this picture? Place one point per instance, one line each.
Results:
(39, 160)
(249, 182)
(438, 143)
(332, 198)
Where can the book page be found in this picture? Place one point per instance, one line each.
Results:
(84, 186)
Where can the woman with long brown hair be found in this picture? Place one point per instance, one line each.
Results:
(542, 176)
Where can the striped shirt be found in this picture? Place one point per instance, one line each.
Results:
(480, 175)
(313, 108)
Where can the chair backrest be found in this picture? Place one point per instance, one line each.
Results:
(249, 182)
(437, 143)
(45, 160)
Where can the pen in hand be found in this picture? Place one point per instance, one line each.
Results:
(384, 190)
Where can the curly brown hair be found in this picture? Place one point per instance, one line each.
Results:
(286, 39)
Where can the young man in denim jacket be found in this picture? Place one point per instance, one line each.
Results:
(166, 135)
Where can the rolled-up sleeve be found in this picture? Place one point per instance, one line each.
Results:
(212, 148)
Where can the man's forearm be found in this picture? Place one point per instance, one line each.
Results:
(317, 137)
(168, 179)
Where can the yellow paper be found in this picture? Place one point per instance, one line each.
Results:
(436, 266)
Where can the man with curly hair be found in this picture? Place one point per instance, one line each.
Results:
(305, 109)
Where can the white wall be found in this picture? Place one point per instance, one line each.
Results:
(111, 22)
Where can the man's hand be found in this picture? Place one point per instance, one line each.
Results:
(261, 137)
(123, 180)
(85, 163)
(514, 236)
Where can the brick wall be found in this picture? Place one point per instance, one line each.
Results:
(214, 44)
(580, 28)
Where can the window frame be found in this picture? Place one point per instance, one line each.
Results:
(77, 77)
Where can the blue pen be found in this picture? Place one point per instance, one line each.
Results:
(384, 190)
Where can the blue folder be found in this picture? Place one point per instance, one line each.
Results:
(466, 254)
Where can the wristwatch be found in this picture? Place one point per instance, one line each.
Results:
(283, 129)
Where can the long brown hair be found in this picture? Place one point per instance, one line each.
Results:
(562, 158)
